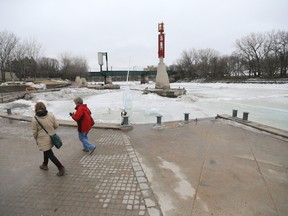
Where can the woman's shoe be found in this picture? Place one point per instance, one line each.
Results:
(43, 167)
(61, 171)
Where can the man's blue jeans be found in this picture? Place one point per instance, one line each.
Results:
(83, 137)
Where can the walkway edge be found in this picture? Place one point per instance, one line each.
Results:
(67, 122)
(266, 128)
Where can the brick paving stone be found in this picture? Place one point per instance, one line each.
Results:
(104, 183)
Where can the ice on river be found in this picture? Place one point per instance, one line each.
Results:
(266, 103)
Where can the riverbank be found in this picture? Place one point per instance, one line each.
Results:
(238, 80)
(8, 87)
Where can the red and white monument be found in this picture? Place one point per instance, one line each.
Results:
(162, 86)
(162, 79)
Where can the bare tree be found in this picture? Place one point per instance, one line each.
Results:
(265, 54)
(270, 63)
(253, 48)
(80, 66)
(219, 67)
(65, 64)
(25, 57)
(48, 67)
(32, 51)
(207, 57)
(282, 48)
(32, 48)
(235, 65)
(8, 42)
(261, 54)
(187, 64)
(73, 66)
(197, 63)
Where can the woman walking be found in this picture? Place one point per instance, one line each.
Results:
(49, 122)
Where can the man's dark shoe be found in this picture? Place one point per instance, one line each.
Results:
(85, 150)
(43, 167)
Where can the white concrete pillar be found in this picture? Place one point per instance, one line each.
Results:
(83, 82)
(108, 80)
(162, 79)
(77, 79)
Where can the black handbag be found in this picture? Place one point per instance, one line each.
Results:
(56, 140)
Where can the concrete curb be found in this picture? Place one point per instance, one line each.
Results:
(268, 129)
(69, 123)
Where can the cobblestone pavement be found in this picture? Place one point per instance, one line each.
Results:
(108, 182)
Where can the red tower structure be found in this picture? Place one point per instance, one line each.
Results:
(162, 83)
(161, 40)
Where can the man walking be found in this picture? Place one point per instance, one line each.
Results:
(84, 122)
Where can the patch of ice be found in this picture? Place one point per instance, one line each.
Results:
(184, 188)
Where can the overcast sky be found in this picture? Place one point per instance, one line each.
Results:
(128, 29)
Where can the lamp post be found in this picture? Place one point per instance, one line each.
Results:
(100, 62)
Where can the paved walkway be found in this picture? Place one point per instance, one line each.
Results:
(108, 182)
(214, 167)
(209, 167)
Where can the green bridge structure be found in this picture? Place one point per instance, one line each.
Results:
(124, 73)
(108, 74)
